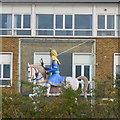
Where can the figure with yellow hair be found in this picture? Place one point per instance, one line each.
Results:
(55, 79)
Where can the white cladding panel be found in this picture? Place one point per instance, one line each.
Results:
(85, 59)
(45, 56)
(5, 58)
(64, 8)
(6, 8)
(112, 8)
(22, 9)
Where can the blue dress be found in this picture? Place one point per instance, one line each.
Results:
(55, 79)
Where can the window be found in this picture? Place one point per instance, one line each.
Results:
(83, 25)
(44, 24)
(5, 69)
(64, 25)
(5, 24)
(116, 66)
(118, 25)
(22, 24)
(106, 25)
(82, 66)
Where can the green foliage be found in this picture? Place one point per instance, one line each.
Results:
(68, 105)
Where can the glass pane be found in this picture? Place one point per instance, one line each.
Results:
(87, 72)
(5, 21)
(106, 33)
(83, 21)
(4, 82)
(6, 71)
(0, 70)
(117, 71)
(59, 21)
(68, 21)
(5, 32)
(83, 33)
(44, 32)
(26, 21)
(101, 21)
(118, 21)
(78, 71)
(110, 21)
(64, 33)
(44, 21)
(22, 32)
(17, 21)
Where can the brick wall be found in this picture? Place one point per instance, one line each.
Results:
(11, 45)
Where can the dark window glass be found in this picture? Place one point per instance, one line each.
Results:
(101, 21)
(26, 21)
(44, 32)
(0, 70)
(106, 33)
(5, 21)
(83, 21)
(83, 33)
(22, 32)
(78, 71)
(4, 82)
(87, 72)
(6, 71)
(45, 21)
(68, 21)
(117, 71)
(110, 21)
(118, 22)
(5, 32)
(17, 21)
(64, 33)
(59, 21)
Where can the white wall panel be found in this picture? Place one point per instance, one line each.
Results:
(112, 8)
(5, 58)
(6, 8)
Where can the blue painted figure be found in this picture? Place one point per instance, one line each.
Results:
(55, 79)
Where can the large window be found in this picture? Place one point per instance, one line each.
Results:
(6, 69)
(44, 24)
(83, 25)
(22, 24)
(118, 25)
(5, 24)
(106, 25)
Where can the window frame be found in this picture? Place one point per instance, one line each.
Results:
(11, 67)
(114, 67)
(7, 28)
(82, 72)
(106, 29)
(22, 24)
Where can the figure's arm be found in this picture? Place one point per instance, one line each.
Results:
(54, 67)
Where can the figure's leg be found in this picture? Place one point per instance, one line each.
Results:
(48, 90)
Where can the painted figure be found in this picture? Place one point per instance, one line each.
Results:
(55, 79)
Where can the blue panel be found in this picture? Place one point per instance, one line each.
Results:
(0, 70)
(17, 21)
(106, 33)
(63, 33)
(110, 21)
(68, 21)
(26, 21)
(83, 33)
(5, 32)
(101, 21)
(44, 32)
(22, 32)
(78, 71)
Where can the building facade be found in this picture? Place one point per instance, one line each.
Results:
(85, 35)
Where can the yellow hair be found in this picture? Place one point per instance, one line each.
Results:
(54, 53)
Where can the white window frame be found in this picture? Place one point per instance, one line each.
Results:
(7, 28)
(11, 66)
(82, 72)
(22, 22)
(114, 30)
(114, 68)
